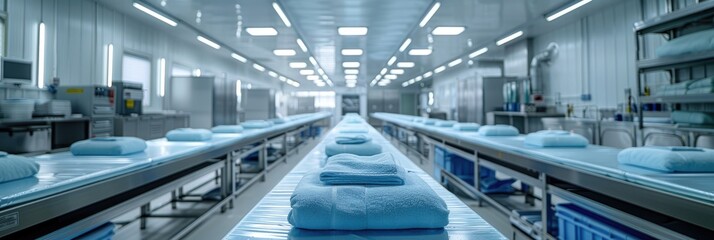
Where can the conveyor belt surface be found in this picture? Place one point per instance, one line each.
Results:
(268, 219)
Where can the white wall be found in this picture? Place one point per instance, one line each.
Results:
(79, 30)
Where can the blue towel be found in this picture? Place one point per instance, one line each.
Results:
(444, 123)
(704, 83)
(556, 138)
(693, 43)
(316, 205)
(493, 185)
(189, 135)
(702, 118)
(364, 149)
(470, 127)
(352, 139)
(669, 159)
(256, 124)
(108, 146)
(429, 121)
(498, 130)
(13, 167)
(227, 129)
(279, 120)
(380, 169)
(353, 120)
(353, 130)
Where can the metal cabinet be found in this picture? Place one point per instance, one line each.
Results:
(662, 136)
(149, 126)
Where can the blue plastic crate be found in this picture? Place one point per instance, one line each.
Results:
(577, 223)
(458, 166)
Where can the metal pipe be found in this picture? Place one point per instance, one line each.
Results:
(536, 61)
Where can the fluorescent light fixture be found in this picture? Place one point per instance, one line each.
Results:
(352, 52)
(196, 72)
(281, 78)
(162, 77)
(509, 38)
(313, 61)
(455, 62)
(390, 76)
(238, 57)
(405, 64)
(397, 71)
(405, 45)
(352, 31)
(208, 42)
(297, 64)
(411, 81)
(302, 45)
(325, 77)
(284, 52)
(41, 55)
(351, 77)
(313, 77)
(350, 64)
(420, 52)
(261, 31)
(448, 31)
(429, 14)
(392, 60)
(351, 71)
(351, 85)
(478, 52)
(295, 84)
(110, 64)
(272, 74)
(384, 70)
(378, 77)
(418, 78)
(566, 10)
(320, 71)
(320, 84)
(440, 69)
(238, 88)
(307, 72)
(405, 84)
(155, 14)
(258, 67)
(428, 74)
(383, 83)
(350, 80)
(280, 13)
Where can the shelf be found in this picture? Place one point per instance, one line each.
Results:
(665, 63)
(692, 98)
(675, 19)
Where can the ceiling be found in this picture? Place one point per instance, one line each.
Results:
(390, 23)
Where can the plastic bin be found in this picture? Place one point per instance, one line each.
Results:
(25, 139)
(17, 109)
(577, 223)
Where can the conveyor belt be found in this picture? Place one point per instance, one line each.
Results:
(268, 220)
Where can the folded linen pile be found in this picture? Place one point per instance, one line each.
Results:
(380, 169)
(498, 130)
(108, 146)
(353, 130)
(227, 129)
(693, 43)
(189, 135)
(466, 127)
(358, 145)
(700, 118)
(256, 124)
(444, 123)
(669, 159)
(555, 138)
(13, 167)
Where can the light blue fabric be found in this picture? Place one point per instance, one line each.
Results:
(555, 138)
(702, 118)
(669, 159)
(692, 43)
(13, 167)
(353, 120)
(353, 130)
(279, 120)
(498, 130)
(256, 124)
(380, 169)
(706, 83)
(352, 139)
(189, 135)
(227, 129)
(444, 123)
(108, 146)
(316, 205)
(466, 127)
(429, 121)
(364, 149)
(701, 90)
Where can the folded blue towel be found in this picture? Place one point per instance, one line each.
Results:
(444, 123)
(353, 120)
(380, 169)
(278, 120)
(429, 121)
(189, 135)
(498, 130)
(256, 124)
(227, 129)
(706, 83)
(108, 146)
(353, 130)
(13, 167)
(364, 149)
(471, 127)
(692, 43)
(352, 139)
(493, 185)
(555, 138)
(316, 205)
(703, 118)
(669, 159)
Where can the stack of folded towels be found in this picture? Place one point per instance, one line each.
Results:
(189, 135)
(108, 146)
(699, 118)
(466, 127)
(353, 144)
(669, 159)
(555, 138)
(444, 123)
(356, 192)
(256, 124)
(13, 167)
(227, 129)
(498, 130)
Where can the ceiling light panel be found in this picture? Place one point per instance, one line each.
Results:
(448, 31)
(405, 45)
(284, 52)
(566, 10)
(405, 64)
(455, 62)
(397, 71)
(281, 14)
(351, 71)
(420, 52)
(351, 77)
(302, 45)
(313, 77)
(390, 76)
(478, 52)
(428, 74)
(261, 31)
(383, 71)
(208, 42)
(352, 31)
(297, 64)
(155, 14)
(352, 52)
(273, 74)
(350, 64)
(440, 69)
(429, 14)
(509, 38)
(238, 57)
(258, 67)
(307, 72)
(313, 61)
(392, 60)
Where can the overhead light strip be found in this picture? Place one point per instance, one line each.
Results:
(352, 31)
(239, 57)
(208, 42)
(429, 14)
(509, 38)
(302, 45)
(567, 10)
(41, 55)
(405, 45)
(280, 13)
(392, 60)
(455, 62)
(258, 67)
(478, 52)
(155, 14)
